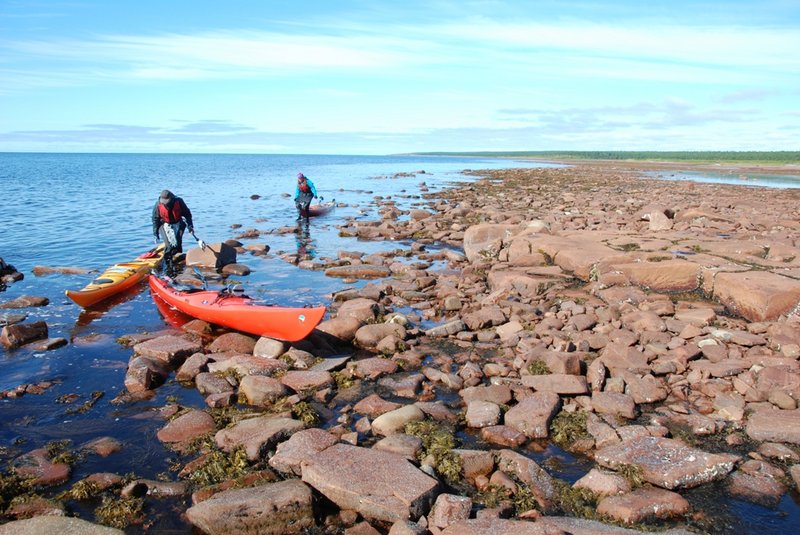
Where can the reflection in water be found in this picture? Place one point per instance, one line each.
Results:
(306, 247)
(98, 310)
(173, 317)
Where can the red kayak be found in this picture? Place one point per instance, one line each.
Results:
(240, 312)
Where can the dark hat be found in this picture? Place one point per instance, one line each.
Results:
(166, 196)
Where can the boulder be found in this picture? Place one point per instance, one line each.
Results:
(346, 475)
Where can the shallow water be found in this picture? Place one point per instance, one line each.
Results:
(736, 178)
(92, 210)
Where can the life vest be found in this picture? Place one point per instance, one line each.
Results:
(170, 215)
(304, 187)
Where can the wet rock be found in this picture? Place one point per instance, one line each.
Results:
(372, 368)
(103, 446)
(209, 383)
(756, 488)
(370, 335)
(214, 256)
(19, 334)
(603, 483)
(775, 425)
(48, 344)
(191, 367)
(274, 508)
(345, 475)
(447, 329)
(170, 349)
(482, 414)
(569, 385)
(614, 403)
(25, 301)
(269, 348)
(374, 405)
(541, 484)
(157, 489)
(256, 434)
(186, 428)
(499, 394)
(35, 506)
(448, 509)
(475, 463)
(248, 365)
(643, 504)
(532, 414)
(361, 271)
(10, 318)
(395, 421)
(233, 343)
(301, 446)
(503, 435)
(40, 469)
(239, 270)
(40, 525)
(400, 444)
(260, 390)
(305, 381)
(144, 374)
(497, 526)
(666, 462)
(341, 327)
(64, 270)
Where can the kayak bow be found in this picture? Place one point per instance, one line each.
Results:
(117, 278)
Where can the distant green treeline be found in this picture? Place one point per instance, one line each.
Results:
(775, 157)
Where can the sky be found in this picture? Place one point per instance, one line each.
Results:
(387, 77)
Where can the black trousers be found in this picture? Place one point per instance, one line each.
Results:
(302, 202)
(171, 249)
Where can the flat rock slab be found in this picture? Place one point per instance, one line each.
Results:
(643, 504)
(301, 446)
(256, 433)
(775, 425)
(666, 462)
(362, 271)
(186, 427)
(757, 295)
(168, 348)
(40, 525)
(377, 484)
(498, 526)
(532, 415)
(275, 508)
(248, 365)
(581, 526)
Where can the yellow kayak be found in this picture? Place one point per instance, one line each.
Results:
(117, 278)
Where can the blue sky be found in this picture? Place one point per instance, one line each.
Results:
(374, 77)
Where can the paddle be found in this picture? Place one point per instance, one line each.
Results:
(202, 278)
(200, 242)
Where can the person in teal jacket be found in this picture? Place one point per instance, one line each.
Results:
(303, 194)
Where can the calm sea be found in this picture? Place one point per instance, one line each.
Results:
(93, 210)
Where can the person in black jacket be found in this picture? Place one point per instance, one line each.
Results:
(171, 217)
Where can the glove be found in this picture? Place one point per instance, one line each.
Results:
(191, 230)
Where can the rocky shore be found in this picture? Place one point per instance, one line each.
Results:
(648, 327)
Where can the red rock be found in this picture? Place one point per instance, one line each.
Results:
(346, 475)
(643, 504)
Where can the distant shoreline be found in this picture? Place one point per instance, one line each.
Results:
(772, 163)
